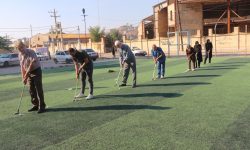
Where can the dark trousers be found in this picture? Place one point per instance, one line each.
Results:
(189, 63)
(88, 72)
(36, 88)
(127, 66)
(197, 64)
(161, 69)
(209, 57)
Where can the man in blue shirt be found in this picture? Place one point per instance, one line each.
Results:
(159, 57)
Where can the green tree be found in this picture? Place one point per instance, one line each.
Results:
(112, 36)
(96, 33)
(4, 43)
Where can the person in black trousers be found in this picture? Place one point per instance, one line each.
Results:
(83, 67)
(198, 48)
(209, 49)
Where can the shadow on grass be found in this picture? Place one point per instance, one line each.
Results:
(239, 62)
(79, 87)
(223, 66)
(219, 68)
(165, 95)
(175, 84)
(110, 107)
(195, 76)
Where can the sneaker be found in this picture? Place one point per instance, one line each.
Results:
(133, 86)
(90, 96)
(34, 108)
(188, 70)
(162, 77)
(80, 95)
(41, 110)
(193, 69)
(123, 84)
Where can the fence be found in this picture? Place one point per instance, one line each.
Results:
(235, 43)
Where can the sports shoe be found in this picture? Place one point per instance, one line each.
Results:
(123, 84)
(188, 70)
(41, 110)
(133, 86)
(34, 108)
(90, 96)
(193, 69)
(80, 95)
(162, 77)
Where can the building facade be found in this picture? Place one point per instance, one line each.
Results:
(196, 16)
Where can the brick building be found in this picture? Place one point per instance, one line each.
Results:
(196, 16)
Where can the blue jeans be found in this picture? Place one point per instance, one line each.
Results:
(161, 69)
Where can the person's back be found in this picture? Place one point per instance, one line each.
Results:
(126, 53)
(209, 48)
(127, 61)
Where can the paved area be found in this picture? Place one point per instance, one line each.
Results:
(50, 64)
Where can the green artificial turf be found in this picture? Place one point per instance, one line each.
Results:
(205, 109)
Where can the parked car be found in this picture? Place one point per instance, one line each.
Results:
(62, 57)
(94, 55)
(138, 52)
(41, 56)
(9, 59)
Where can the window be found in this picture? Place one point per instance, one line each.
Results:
(171, 15)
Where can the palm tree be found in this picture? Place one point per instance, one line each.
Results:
(96, 33)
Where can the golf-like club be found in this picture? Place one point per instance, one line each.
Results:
(117, 79)
(153, 78)
(20, 101)
(77, 80)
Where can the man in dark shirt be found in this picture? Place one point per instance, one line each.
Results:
(198, 48)
(84, 66)
(32, 74)
(209, 48)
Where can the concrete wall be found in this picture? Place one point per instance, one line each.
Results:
(234, 43)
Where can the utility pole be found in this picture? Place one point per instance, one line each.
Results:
(180, 27)
(61, 36)
(84, 19)
(228, 17)
(52, 39)
(79, 41)
(31, 34)
(54, 15)
(98, 9)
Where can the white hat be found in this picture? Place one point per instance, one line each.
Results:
(117, 42)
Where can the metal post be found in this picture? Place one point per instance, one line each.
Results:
(147, 42)
(79, 41)
(228, 17)
(215, 48)
(246, 38)
(177, 42)
(84, 19)
(31, 34)
(168, 46)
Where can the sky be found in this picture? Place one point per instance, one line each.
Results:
(17, 16)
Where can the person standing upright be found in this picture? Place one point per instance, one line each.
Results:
(83, 67)
(113, 51)
(209, 49)
(159, 58)
(198, 48)
(32, 74)
(127, 61)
